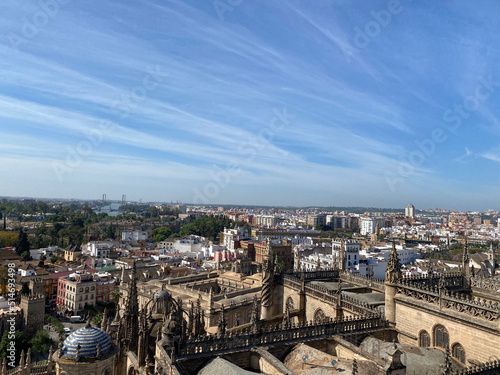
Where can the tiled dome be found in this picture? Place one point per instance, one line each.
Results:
(87, 338)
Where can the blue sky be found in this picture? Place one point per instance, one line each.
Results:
(379, 103)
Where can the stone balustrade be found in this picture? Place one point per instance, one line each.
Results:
(488, 368)
(210, 345)
(456, 301)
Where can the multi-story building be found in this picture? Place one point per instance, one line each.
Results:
(105, 284)
(74, 291)
(189, 244)
(71, 253)
(410, 211)
(316, 220)
(265, 220)
(346, 254)
(369, 225)
(135, 236)
(282, 250)
(261, 234)
(167, 245)
(335, 221)
(231, 237)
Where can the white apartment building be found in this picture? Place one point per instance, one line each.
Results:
(230, 235)
(265, 220)
(76, 290)
(410, 211)
(369, 224)
(167, 245)
(135, 236)
(405, 255)
(100, 249)
(189, 244)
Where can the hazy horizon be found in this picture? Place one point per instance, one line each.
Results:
(349, 103)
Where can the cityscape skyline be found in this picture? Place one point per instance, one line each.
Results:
(366, 104)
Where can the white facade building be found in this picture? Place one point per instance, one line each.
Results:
(367, 226)
(134, 236)
(230, 235)
(189, 244)
(410, 211)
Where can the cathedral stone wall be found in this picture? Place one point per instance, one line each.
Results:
(478, 344)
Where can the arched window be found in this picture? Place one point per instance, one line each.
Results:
(289, 303)
(319, 316)
(458, 352)
(424, 339)
(441, 337)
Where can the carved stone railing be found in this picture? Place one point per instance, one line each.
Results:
(459, 302)
(487, 283)
(313, 275)
(330, 296)
(488, 368)
(369, 282)
(346, 302)
(454, 281)
(211, 345)
(37, 368)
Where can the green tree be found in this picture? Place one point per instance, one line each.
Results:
(19, 343)
(22, 245)
(25, 256)
(41, 342)
(4, 277)
(115, 295)
(160, 234)
(97, 320)
(206, 226)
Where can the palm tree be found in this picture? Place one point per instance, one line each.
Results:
(116, 294)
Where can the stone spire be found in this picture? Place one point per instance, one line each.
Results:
(104, 319)
(117, 315)
(254, 319)
(447, 368)
(492, 260)
(222, 323)
(354, 367)
(132, 313)
(393, 270)
(210, 299)
(286, 317)
(28, 357)
(342, 255)
(267, 282)
(296, 259)
(465, 260)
